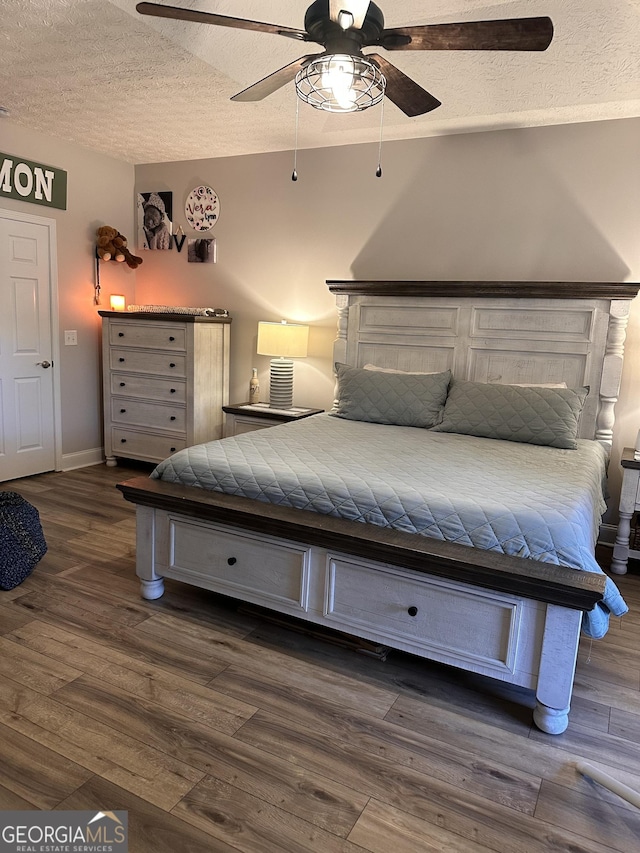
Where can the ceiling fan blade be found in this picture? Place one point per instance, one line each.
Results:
(273, 82)
(356, 8)
(405, 93)
(158, 11)
(508, 34)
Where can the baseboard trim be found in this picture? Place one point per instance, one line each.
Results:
(607, 535)
(82, 459)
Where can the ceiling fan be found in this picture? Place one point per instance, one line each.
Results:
(342, 78)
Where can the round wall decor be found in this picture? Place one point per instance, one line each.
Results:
(202, 208)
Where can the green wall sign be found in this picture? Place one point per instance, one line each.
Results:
(32, 182)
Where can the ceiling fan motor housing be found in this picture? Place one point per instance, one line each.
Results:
(323, 30)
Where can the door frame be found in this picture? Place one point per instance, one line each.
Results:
(54, 322)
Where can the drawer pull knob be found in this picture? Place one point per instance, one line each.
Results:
(123, 441)
(122, 411)
(172, 449)
(171, 338)
(172, 418)
(171, 364)
(121, 359)
(232, 561)
(122, 384)
(121, 334)
(173, 391)
(412, 611)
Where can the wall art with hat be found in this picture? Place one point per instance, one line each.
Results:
(155, 217)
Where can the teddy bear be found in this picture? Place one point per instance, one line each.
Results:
(120, 242)
(105, 247)
(112, 245)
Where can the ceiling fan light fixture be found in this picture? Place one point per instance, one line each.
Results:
(340, 83)
(345, 19)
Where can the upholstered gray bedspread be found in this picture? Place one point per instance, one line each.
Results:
(520, 499)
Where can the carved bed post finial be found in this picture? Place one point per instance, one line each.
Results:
(612, 369)
(340, 344)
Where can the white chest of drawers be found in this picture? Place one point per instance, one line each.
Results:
(165, 380)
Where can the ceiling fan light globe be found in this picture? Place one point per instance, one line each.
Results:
(340, 83)
(339, 79)
(345, 19)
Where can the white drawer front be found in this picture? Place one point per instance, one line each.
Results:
(421, 613)
(150, 415)
(254, 568)
(249, 426)
(141, 361)
(150, 335)
(144, 445)
(164, 390)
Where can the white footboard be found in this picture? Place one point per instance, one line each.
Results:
(509, 637)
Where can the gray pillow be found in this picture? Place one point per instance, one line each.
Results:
(547, 416)
(404, 399)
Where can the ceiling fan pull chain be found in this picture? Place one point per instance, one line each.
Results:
(379, 169)
(294, 174)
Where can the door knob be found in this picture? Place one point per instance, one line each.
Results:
(44, 364)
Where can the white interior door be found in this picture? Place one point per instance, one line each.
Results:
(27, 422)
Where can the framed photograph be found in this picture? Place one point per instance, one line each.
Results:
(201, 250)
(155, 217)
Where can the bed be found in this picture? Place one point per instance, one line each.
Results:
(321, 519)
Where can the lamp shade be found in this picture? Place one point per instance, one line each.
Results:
(286, 340)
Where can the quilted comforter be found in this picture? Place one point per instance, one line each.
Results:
(524, 500)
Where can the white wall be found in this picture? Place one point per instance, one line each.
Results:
(549, 204)
(99, 192)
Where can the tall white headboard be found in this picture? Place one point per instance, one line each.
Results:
(506, 332)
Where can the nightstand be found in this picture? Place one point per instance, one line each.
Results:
(629, 503)
(247, 417)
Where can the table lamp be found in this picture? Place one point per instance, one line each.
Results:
(285, 341)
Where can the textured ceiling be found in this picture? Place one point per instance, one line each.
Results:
(149, 90)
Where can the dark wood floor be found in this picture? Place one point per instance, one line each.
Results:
(220, 731)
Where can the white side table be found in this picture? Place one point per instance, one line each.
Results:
(629, 503)
(246, 417)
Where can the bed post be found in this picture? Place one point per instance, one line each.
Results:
(557, 668)
(340, 344)
(612, 370)
(151, 584)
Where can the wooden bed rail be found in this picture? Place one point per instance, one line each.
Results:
(544, 582)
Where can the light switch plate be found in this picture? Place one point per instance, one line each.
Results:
(71, 338)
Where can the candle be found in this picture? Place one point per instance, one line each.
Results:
(117, 302)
